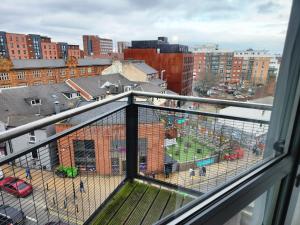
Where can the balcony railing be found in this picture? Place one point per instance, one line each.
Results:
(79, 161)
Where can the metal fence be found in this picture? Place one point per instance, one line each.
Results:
(63, 168)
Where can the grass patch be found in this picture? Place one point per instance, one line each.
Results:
(189, 149)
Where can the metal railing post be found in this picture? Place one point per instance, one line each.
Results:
(131, 139)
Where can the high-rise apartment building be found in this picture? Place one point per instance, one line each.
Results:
(95, 46)
(122, 45)
(62, 49)
(173, 62)
(17, 46)
(213, 64)
(35, 46)
(233, 67)
(34, 43)
(49, 49)
(106, 46)
(74, 51)
(3, 45)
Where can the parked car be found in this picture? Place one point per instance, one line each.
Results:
(235, 154)
(16, 186)
(11, 216)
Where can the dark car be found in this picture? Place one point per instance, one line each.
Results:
(11, 216)
(16, 186)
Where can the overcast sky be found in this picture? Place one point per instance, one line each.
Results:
(233, 24)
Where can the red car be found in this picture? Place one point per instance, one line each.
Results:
(16, 186)
(236, 154)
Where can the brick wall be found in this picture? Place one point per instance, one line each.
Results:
(103, 136)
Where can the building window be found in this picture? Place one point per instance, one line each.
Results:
(4, 76)
(36, 73)
(36, 101)
(32, 137)
(62, 72)
(72, 72)
(21, 75)
(84, 154)
(89, 70)
(49, 73)
(72, 95)
(82, 70)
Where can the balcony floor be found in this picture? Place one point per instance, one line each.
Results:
(140, 203)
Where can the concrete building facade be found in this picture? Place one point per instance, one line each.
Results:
(122, 45)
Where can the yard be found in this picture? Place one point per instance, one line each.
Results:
(140, 203)
(189, 149)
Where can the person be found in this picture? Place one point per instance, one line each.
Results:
(28, 174)
(167, 173)
(203, 170)
(192, 172)
(81, 186)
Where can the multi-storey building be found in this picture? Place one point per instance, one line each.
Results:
(62, 49)
(49, 49)
(213, 64)
(255, 66)
(34, 43)
(95, 46)
(106, 46)
(36, 72)
(17, 46)
(122, 45)
(173, 62)
(3, 45)
(74, 51)
(34, 46)
(234, 67)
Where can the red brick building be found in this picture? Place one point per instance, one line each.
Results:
(17, 46)
(74, 51)
(41, 71)
(175, 68)
(95, 46)
(236, 72)
(199, 65)
(35, 46)
(104, 144)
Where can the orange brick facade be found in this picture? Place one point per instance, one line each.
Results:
(103, 137)
(10, 77)
(17, 46)
(177, 68)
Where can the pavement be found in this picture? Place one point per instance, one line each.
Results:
(216, 174)
(56, 198)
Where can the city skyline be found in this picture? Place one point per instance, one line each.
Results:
(256, 24)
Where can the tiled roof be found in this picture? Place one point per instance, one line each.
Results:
(54, 63)
(144, 67)
(145, 115)
(15, 109)
(93, 85)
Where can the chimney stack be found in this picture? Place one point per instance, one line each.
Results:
(56, 107)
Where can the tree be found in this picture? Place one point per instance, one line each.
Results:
(202, 86)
